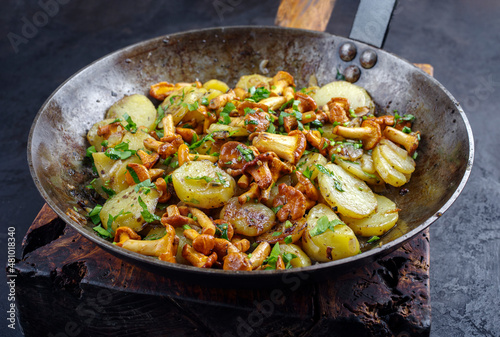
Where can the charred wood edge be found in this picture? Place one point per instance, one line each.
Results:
(46, 228)
(70, 276)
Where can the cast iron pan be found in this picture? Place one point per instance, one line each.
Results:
(57, 141)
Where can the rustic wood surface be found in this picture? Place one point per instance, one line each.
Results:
(68, 286)
(305, 14)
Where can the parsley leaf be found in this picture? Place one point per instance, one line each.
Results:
(94, 214)
(131, 126)
(288, 239)
(339, 76)
(146, 186)
(258, 94)
(120, 151)
(133, 174)
(308, 172)
(228, 108)
(246, 153)
(373, 239)
(221, 179)
(277, 208)
(90, 150)
(207, 179)
(108, 191)
(222, 230)
(323, 224)
(103, 232)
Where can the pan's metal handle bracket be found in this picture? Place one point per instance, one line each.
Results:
(371, 21)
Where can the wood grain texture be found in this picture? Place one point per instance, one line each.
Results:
(305, 14)
(67, 285)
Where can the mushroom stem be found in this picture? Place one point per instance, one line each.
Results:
(408, 141)
(260, 254)
(288, 147)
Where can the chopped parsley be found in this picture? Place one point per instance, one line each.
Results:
(201, 141)
(246, 153)
(133, 174)
(120, 151)
(272, 259)
(94, 214)
(204, 101)
(288, 239)
(277, 208)
(90, 150)
(258, 94)
(373, 239)
(339, 76)
(221, 230)
(145, 186)
(206, 178)
(131, 126)
(108, 191)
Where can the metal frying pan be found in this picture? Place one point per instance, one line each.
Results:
(57, 141)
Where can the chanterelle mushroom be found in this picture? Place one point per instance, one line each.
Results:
(288, 147)
(164, 248)
(369, 133)
(293, 203)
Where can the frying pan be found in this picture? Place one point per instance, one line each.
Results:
(57, 143)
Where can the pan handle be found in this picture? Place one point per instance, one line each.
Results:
(371, 21)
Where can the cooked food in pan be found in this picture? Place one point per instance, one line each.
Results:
(260, 176)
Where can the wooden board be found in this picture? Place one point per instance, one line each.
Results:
(66, 286)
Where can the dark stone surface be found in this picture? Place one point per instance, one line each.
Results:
(460, 39)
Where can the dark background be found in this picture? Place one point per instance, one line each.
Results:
(460, 38)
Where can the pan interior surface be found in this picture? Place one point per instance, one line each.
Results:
(57, 141)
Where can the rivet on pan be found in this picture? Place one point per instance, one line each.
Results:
(368, 58)
(352, 73)
(347, 51)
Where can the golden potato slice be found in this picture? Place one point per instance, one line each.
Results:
(284, 231)
(180, 102)
(367, 163)
(388, 173)
(403, 165)
(233, 131)
(138, 107)
(357, 96)
(250, 219)
(378, 223)
(396, 148)
(302, 260)
(124, 207)
(112, 172)
(217, 85)
(308, 162)
(328, 245)
(201, 184)
(349, 194)
(136, 140)
(355, 169)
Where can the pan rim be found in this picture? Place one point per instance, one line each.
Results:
(162, 266)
